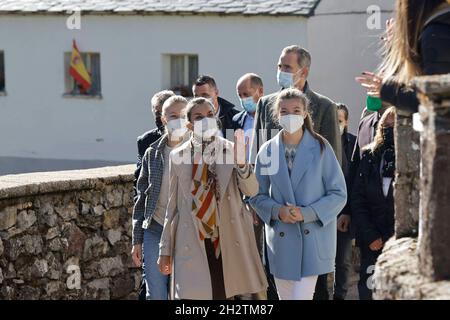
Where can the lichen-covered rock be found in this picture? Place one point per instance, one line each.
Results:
(58, 244)
(67, 212)
(76, 239)
(39, 268)
(110, 266)
(29, 244)
(397, 275)
(98, 289)
(10, 272)
(84, 208)
(52, 233)
(94, 247)
(10, 233)
(25, 219)
(54, 267)
(53, 289)
(111, 219)
(47, 215)
(99, 210)
(114, 198)
(114, 235)
(8, 217)
(7, 293)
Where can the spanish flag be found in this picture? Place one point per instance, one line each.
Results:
(78, 70)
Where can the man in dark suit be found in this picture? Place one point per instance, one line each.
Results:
(206, 87)
(293, 70)
(250, 89)
(144, 141)
(344, 235)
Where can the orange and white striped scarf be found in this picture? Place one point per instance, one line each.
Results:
(204, 204)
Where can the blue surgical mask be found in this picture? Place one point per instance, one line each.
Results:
(248, 104)
(285, 79)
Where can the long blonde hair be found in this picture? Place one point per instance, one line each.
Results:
(292, 93)
(379, 138)
(401, 56)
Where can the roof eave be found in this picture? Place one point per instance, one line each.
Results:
(151, 13)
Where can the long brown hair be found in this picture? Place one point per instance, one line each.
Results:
(379, 138)
(292, 93)
(402, 56)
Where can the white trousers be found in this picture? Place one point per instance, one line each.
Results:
(296, 290)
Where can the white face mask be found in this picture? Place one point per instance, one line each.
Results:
(341, 129)
(176, 128)
(292, 122)
(206, 128)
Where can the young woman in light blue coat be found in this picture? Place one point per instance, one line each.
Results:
(301, 191)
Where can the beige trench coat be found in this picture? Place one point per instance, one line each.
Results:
(242, 267)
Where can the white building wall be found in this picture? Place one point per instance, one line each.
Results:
(342, 47)
(36, 121)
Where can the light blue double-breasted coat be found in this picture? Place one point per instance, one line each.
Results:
(317, 186)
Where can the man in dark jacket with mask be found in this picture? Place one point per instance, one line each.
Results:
(206, 87)
(146, 139)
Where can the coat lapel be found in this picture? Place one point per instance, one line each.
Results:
(303, 159)
(224, 170)
(185, 169)
(282, 177)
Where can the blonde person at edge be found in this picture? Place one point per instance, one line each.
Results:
(152, 197)
(208, 244)
(301, 191)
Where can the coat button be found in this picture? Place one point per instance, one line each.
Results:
(237, 243)
(229, 197)
(186, 248)
(232, 220)
(306, 231)
(281, 234)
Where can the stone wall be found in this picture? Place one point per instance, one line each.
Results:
(419, 268)
(407, 181)
(67, 235)
(397, 275)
